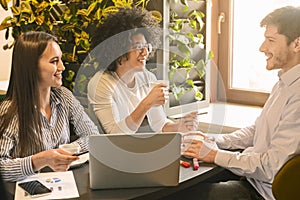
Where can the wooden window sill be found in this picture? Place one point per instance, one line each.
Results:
(227, 117)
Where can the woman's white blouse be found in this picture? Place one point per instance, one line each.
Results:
(113, 101)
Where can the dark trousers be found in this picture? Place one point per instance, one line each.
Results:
(228, 186)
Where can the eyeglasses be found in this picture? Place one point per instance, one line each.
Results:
(140, 47)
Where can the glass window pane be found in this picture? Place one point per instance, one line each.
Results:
(248, 64)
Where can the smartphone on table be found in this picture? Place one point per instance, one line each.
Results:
(35, 188)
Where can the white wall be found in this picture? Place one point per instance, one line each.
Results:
(5, 55)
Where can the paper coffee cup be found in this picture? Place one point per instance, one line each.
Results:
(71, 148)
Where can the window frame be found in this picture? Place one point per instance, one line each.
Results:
(224, 62)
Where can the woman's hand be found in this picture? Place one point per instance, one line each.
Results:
(185, 124)
(157, 96)
(56, 159)
(188, 122)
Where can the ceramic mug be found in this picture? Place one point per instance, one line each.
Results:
(157, 82)
(165, 89)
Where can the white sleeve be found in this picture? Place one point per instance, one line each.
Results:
(156, 115)
(239, 139)
(283, 145)
(100, 95)
(157, 118)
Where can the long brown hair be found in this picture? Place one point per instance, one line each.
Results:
(23, 93)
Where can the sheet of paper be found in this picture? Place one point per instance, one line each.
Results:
(62, 184)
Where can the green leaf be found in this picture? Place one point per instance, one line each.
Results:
(91, 8)
(32, 18)
(184, 2)
(200, 68)
(171, 73)
(123, 3)
(55, 2)
(193, 24)
(85, 44)
(186, 8)
(181, 39)
(67, 27)
(40, 19)
(4, 4)
(25, 7)
(184, 49)
(156, 15)
(98, 14)
(178, 91)
(6, 23)
(190, 82)
(70, 75)
(198, 95)
(15, 10)
(82, 12)
(42, 6)
(211, 55)
(108, 10)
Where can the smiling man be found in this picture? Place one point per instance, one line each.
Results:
(274, 138)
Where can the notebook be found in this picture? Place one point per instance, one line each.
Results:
(134, 160)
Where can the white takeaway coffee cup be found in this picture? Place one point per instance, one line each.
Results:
(71, 148)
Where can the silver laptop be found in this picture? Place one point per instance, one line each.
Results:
(135, 160)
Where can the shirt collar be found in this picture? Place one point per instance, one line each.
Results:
(290, 76)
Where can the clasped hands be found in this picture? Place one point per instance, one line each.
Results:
(195, 144)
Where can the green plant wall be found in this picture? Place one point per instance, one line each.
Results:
(71, 21)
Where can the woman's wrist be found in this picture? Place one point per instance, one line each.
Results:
(37, 161)
(146, 105)
(170, 127)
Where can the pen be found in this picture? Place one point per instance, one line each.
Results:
(195, 163)
(179, 117)
(202, 113)
(78, 154)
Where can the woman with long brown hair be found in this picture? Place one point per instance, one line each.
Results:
(37, 112)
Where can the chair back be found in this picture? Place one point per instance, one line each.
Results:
(286, 181)
(2, 95)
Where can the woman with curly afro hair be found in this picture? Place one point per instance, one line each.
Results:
(122, 94)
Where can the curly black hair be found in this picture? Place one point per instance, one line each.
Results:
(112, 39)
